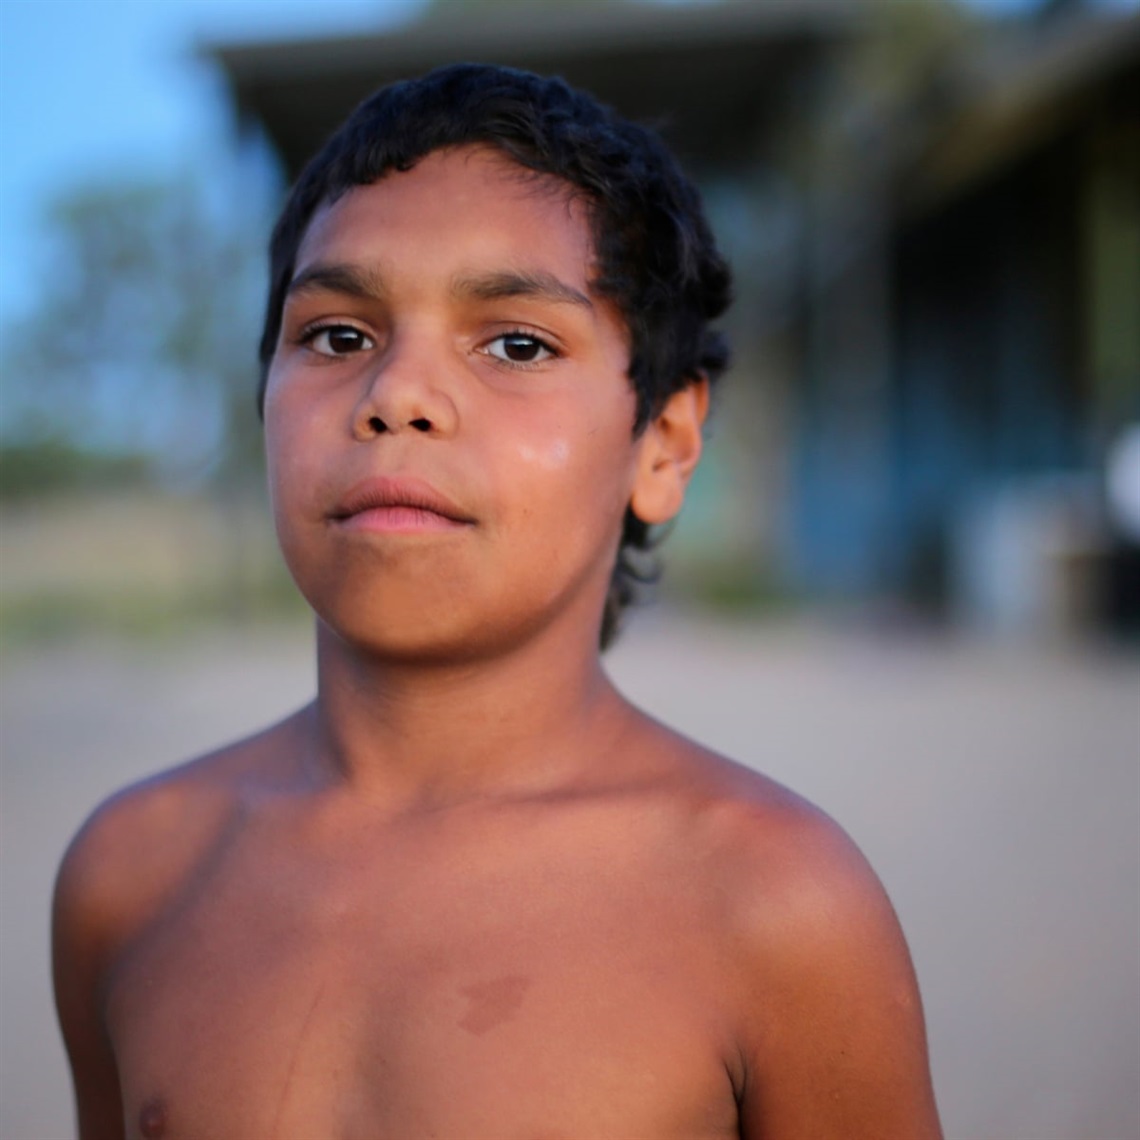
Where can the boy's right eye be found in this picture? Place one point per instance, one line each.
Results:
(337, 340)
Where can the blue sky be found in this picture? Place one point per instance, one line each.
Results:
(92, 89)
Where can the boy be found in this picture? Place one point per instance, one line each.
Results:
(469, 892)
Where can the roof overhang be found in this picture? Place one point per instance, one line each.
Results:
(682, 68)
(1009, 107)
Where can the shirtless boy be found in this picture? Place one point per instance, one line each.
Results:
(469, 892)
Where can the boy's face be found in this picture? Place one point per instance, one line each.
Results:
(448, 413)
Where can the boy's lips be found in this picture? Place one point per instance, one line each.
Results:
(398, 505)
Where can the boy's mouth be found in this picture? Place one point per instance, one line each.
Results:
(398, 506)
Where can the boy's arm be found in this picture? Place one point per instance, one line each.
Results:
(83, 921)
(121, 871)
(834, 1046)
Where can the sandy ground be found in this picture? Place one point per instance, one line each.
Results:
(997, 791)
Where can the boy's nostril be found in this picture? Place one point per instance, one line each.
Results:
(421, 424)
(377, 425)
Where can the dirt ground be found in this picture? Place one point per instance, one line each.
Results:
(996, 789)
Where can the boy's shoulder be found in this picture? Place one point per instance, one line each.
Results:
(824, 998)
(742, 833)
(788, 889)
(140, 842)
(775, 862)
(751, 828)
(121, 869)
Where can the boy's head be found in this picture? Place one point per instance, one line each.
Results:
(654, 258)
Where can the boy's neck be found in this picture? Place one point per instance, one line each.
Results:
(516, 724)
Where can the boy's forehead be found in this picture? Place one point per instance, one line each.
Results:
(476, 185)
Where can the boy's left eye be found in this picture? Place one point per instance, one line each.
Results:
(519, 348)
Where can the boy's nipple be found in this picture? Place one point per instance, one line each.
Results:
(152, 1119)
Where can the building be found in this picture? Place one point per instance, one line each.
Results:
(933, 228)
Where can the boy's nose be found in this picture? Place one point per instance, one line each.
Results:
(406, 392)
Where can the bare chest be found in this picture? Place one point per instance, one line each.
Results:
(461, 997)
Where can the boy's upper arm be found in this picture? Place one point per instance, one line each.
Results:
(85, 918)
(833, 1044)
(118, 872)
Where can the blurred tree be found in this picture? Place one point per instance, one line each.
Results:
(142, 339)
(29, 471)
(442, 7)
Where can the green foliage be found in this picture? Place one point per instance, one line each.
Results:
(29, 471)
(143, 338)
(738, 588)
(451, 7)
(910, 44)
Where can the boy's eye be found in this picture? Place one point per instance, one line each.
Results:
(338, 340)
(519, 348)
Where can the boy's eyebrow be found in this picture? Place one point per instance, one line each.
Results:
(536, 284)
(368, 285)
(351, 280)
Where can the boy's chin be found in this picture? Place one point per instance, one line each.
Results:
(427, 642)
(443, 634)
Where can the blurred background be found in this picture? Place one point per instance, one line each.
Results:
(907, 581)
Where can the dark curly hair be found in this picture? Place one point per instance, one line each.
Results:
(657, 261)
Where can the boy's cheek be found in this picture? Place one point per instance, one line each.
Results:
(293, 492)
(276, 404)
(291, 434)
(550, 456)
(584, 478)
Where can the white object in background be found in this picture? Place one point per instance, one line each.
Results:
(1122, 483)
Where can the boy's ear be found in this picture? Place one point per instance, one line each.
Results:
(669, 450)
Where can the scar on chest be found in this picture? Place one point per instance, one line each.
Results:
(491, 1003)
(152, 1118)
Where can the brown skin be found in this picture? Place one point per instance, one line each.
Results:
(470, 891)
